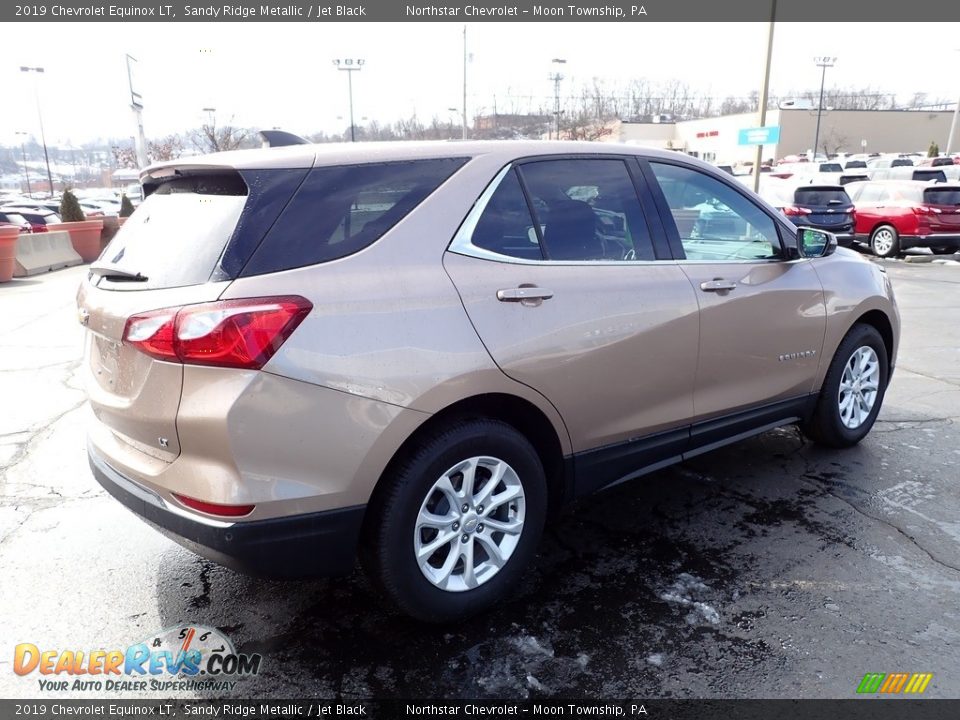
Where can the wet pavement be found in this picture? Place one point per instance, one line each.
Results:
(772, 568)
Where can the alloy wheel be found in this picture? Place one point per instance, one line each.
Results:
(469, 524)
(859, 386)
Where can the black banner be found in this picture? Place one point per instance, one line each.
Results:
(483, 11)
(862, 709)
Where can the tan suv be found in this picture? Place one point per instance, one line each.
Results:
(414, 352)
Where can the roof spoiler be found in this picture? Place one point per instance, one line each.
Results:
(281, 138)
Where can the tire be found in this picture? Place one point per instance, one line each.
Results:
(393, 535)
(944, 251)
(885, 241)
(837, 425)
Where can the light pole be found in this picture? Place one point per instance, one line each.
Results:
(764, 94)
(822, 62)
(557, 77)
(953, 123)
(43, 138)
(26, 170)
(464, 117)
(211, 114)
(350, 65)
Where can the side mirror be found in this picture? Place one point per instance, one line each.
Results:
(815, 243)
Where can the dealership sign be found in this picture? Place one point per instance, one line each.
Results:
(759, 136)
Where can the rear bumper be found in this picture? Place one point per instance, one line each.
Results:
(309, 545)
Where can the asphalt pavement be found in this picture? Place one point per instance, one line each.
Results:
(769, 569)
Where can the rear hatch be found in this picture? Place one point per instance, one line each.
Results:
(941, 208)
(165, 256)
(824, 206)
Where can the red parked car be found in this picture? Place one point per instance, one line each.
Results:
(893, 216)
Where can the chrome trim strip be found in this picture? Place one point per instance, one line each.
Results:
(147, 495)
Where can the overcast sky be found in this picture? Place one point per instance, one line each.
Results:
(280, 74)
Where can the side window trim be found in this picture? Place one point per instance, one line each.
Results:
(673, 234)
(651, 215)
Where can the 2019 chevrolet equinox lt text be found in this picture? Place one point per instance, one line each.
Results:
(413, 352)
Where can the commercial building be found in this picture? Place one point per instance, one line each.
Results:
(852, 131)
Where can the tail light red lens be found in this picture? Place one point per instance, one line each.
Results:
(793, 210)
(926, 210)
(228, 333)
(35, 227)
(215, 508)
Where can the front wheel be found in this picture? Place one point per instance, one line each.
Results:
(457, 521)
(885, 241)
(852, 391)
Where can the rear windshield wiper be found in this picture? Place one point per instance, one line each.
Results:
(112, 272)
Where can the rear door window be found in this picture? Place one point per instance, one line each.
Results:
(506, 227)
(340, 210)
(587, 209)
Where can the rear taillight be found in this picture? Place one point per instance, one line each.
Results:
(215, 508)
(34, 227)
(228, 333)
(926, 210)
(793, 210)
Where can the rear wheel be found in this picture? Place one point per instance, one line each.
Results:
(885, 241)
(852, 391)
(457, 522)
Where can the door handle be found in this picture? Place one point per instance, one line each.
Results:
(718, 285)
(522, 294)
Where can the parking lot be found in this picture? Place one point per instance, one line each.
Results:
(771, 568)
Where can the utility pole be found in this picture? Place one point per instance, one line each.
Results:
(764, 92)
(464, 118)
(557, 77)
(822, 62)
(136, 105)
(43, 137)
(26, 170)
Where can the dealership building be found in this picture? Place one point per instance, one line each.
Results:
(717, 139)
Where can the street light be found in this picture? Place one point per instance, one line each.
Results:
(210, 115)
(557, 77)
(953, 123)
(43, 138)
(822, 62)
(26, 171)
(350, 65)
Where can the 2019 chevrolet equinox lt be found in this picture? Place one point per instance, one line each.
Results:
(414, 352)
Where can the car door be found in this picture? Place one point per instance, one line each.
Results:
(762, 315)
(557, 270)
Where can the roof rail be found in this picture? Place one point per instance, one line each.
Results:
(281, 138)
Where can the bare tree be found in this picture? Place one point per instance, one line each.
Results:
(168, 148)
(211, 138)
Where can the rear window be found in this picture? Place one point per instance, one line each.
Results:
(177, 234)
(940, 161)
(830, 167)
(927, 175)
(856, 164)
(340, 210)
(942, 196)
(821, 197)
(901, 162)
